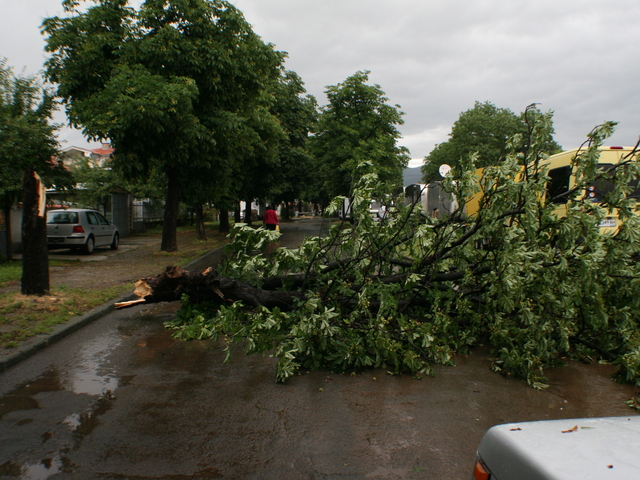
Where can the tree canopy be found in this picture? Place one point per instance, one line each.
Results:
(27, 134)
(95, 184)
(358, 125)
(411, 291)
(297, 115)
(484, 130)
(175, 85)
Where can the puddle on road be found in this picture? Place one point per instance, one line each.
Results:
(156, 345)
(22, 397)
(83, 424)
(51, 466)
(91, 373)
(35, 471)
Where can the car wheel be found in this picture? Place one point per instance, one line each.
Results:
(89, 246)
(116, 242)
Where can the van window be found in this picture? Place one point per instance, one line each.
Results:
(558, 184)
(635, 193)
(599, 189)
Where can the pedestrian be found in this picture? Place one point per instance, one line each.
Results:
(270, 218)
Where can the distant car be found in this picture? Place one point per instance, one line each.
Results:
(80, 229)
(598, 448)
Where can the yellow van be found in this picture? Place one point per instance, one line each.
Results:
(562, 180)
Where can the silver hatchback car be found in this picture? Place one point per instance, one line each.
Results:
(79, 228)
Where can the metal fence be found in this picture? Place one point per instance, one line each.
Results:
(146, 212)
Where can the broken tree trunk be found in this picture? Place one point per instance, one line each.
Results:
(207, 286)
(35, 257)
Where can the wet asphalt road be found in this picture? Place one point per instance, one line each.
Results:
(121, 399)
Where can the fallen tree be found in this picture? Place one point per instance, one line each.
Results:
(207, 286)
(413, 290)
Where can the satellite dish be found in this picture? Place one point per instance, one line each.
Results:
(444, 170)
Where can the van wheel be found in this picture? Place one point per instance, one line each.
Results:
(88, 247)
(116, 242)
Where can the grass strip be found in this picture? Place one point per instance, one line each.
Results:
(11, 270)
(22, 317)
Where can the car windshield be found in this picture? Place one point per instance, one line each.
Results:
(62, 217)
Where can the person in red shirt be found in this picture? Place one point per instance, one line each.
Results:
(270, 219)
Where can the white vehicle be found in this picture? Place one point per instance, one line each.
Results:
(584, 448)
(79, 228)
(433, 200)
(376, 210)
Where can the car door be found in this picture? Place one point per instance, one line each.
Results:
(106, 229)
(95, 228)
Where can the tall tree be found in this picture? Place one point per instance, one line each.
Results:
(358, 125)
(276, 161)
(297, 115)
(27, 147)
(171, 84)
(261, 164)
(484, 130)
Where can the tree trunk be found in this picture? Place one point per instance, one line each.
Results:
(208, 286)
(202, 234)
(247, 212)
(35, 258)
(224, 226)
(171, 211)
(8, 233)
(237, 216)
(285, 211)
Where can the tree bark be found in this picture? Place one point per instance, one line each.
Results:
(224, 226)
(286, 211)
(171, 211)
(202, 234)
(207, 286)
(247, 212)
(35, 257)
(8, 232)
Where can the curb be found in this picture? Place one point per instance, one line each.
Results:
(34, 345)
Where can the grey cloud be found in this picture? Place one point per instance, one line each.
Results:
(436, 58)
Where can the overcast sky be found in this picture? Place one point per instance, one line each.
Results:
(435, 58)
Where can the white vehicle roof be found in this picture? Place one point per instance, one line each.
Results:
(585, 448)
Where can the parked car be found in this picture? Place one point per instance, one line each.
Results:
(82, 229)
(597, 448)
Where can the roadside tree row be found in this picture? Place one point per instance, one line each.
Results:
(203, 112)
(189, 90)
